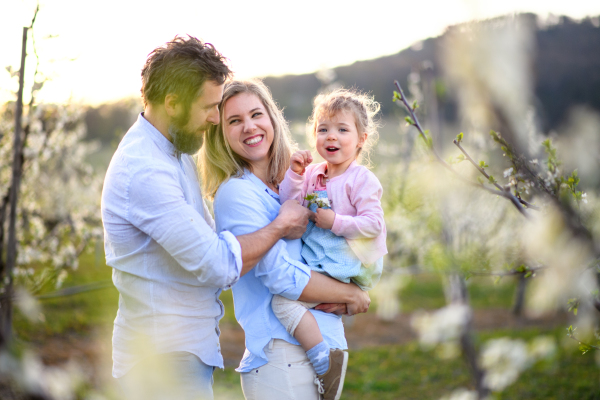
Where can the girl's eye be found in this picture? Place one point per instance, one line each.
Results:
(343, 130)
(322, 130)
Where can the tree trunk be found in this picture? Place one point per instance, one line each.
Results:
(6, 310)
(520, 295)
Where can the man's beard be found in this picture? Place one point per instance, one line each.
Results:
(184, 140)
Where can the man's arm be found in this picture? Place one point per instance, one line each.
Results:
(322, 289)
(290, 223)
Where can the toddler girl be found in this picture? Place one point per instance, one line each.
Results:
(347, 239)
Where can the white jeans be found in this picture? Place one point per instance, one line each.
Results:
(287, 376)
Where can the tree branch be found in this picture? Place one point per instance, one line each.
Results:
(506, 194)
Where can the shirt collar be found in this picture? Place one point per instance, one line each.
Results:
(260, 184)
(154, 134)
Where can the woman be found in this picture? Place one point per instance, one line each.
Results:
(242, 162)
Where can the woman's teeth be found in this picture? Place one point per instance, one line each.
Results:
(253, 140)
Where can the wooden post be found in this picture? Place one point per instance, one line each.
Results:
(6, 310)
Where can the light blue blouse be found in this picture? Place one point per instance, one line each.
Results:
(244, 205)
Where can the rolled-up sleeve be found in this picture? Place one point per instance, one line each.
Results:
(240, 208)
(157, 206)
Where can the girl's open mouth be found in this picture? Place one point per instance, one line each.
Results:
(331, 149)
(254, 140)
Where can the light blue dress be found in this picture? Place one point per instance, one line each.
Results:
(329, 254)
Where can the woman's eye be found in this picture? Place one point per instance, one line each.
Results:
(256, 114)
(232, 121)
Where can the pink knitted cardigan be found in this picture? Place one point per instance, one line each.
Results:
(355, 197)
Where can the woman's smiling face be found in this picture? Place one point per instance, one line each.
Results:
(248, 128)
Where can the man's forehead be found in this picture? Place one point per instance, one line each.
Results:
(211, 92)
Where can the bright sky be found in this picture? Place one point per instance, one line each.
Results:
(100, 46)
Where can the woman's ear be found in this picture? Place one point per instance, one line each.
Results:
(172, 106)
(362, 139)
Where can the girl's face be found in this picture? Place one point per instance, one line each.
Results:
(248, 128)
(338, 140)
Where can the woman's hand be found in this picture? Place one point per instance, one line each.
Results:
(300, 160)
(360, 302)
(324, 218)
(334, 308)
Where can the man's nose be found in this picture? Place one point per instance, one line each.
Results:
(213, 116)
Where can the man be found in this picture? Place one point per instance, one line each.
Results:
(169, 264)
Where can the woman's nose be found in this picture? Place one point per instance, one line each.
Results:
(249, 125)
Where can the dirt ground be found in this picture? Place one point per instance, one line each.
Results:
(92, 350)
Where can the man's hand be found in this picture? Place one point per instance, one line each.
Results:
(324, 218)
(300, 160)
(360, 302)
(293, 219)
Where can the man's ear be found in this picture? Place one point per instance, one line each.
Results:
(362, 139)
(172, 104)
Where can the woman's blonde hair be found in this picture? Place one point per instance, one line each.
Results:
(363, 107)
(217, 162)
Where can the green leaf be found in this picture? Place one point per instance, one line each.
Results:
(409, 120)
(460, 158)
(480, 180)
(492, 180)
(497, 280)
(584, 348)
(459, 137)
(483, 164)
(415, 105)
(397, 96)
(573, 305)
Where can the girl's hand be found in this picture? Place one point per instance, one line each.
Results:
(324, 218)
(300, 160)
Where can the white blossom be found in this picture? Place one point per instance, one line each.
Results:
(503, 359)
(461, 394)
(442, 325)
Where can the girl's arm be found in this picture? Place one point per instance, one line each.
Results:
(366, 197)
(293, 186)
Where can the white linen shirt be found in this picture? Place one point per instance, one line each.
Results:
(168, 263)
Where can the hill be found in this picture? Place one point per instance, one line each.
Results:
(566, 72)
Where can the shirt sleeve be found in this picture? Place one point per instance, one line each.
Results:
(291, 187)
(157, 206)
(365, 196)
(240, 209)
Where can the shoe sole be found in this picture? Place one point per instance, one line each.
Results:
(342, 377)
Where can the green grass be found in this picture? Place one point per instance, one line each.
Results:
(425, 291)
(408, 372)
(386, 372)
(76, 313)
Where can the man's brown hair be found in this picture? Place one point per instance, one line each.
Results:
(181, 67)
